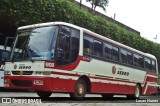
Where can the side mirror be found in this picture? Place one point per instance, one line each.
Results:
(6, 41)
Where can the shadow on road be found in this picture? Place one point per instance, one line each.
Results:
(86, 100)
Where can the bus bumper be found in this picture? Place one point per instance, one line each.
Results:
(39, 83)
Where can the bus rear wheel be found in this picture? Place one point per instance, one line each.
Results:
(44, 94)
(137, 93)
(79, 91)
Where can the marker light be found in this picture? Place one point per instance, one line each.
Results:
(7, 73)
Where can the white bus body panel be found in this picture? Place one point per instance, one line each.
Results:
(1, 75)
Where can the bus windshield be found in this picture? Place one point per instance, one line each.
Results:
(36, 44)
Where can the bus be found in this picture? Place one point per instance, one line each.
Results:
(1, 67)
(4, 55)
(65, 58)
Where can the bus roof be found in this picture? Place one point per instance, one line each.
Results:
(48, 24)
(90, 33)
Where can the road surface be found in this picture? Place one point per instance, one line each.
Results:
(58, 99)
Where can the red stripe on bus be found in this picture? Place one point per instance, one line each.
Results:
(148, 78)
(71, 66)
(150, 73)
(100, 78)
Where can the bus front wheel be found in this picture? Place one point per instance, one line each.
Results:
(79, 91)
(44, 94)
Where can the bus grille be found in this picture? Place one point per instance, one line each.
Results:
(24, 83)
(22, 72)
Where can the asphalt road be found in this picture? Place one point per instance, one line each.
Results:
(23, 98)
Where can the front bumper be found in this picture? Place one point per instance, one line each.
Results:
(39, 83)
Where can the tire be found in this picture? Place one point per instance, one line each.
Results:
(107, 96)
(137, 93)
(44, 94)
(79, 90)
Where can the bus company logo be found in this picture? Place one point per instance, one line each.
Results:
(21, 73)
(113, 70)
(23, 66)
(49, 65)
(15, 66)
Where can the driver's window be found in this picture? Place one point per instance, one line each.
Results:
(63, 48)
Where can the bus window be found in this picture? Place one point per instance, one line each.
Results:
(147, 64)
(98, 48)
(123, 56)
(68, 46)
(63, 49)
(130, 58)
(74, 44)
(138, 61)
(107, 51)
(115, 53)
(88, 45)
(153, 66)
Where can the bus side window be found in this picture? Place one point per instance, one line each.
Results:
(107, 51)
(138, 61)
(75, 35)
(130, 58)
(123, 56)
(98, 48)
(115, 53)
(148, 64)
(88, 45)
(153, 65)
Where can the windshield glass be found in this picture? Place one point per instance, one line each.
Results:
(37, 43)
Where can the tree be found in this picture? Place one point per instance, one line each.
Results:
(80, 3)
(100, 3)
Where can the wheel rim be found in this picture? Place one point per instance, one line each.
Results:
(80, 89)
(137, 92)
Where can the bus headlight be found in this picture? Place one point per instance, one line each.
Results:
(7, 72)
(6, 81)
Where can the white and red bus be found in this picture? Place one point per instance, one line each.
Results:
(61, 57)
(4, 55)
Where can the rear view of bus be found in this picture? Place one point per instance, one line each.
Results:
(61, 57)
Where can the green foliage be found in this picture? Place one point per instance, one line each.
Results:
(37, 11)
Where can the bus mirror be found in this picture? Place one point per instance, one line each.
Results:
(6, 41)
